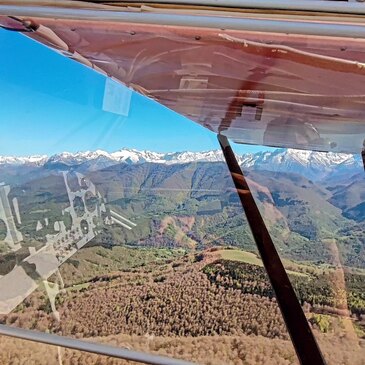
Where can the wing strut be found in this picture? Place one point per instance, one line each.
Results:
(92, 347)
(301, 335)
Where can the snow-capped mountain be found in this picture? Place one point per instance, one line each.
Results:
(291, 157)
(135, 156)
(30, 160)
(314, 165)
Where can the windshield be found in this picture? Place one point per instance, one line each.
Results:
(120, 224)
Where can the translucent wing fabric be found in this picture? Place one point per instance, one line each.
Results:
(278, 89)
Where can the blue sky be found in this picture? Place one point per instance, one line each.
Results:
(50, 104)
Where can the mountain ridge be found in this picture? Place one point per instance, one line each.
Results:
(311, 164)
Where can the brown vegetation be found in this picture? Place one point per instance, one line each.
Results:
(184, 303)
(209, 350)
(174, 309)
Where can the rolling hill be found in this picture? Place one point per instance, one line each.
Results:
(191, 196)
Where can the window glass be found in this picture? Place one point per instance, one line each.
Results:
(119, 223)
(312, 205)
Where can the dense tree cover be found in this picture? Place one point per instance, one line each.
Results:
(209, 350)
(319, 289)
(170, 301)
(193, 307)
(184, 305)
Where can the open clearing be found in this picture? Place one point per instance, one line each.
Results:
(249, 258)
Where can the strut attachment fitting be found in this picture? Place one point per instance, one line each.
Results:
(17, 25)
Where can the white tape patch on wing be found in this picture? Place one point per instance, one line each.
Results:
(117, 98)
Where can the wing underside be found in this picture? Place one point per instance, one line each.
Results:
(280, 89)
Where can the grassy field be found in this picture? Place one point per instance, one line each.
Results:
(239, 255)
(253, 259)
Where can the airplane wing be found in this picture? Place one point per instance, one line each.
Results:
(284, 78)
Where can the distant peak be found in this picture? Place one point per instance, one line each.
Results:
(314, 164)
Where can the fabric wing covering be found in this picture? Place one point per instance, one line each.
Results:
(276, 89)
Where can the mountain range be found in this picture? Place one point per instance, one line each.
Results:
(313, 165)
(307, 198)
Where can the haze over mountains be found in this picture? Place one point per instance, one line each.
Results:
(313, 165)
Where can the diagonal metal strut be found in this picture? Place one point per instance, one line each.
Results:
(301, 335)
(92, 347)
